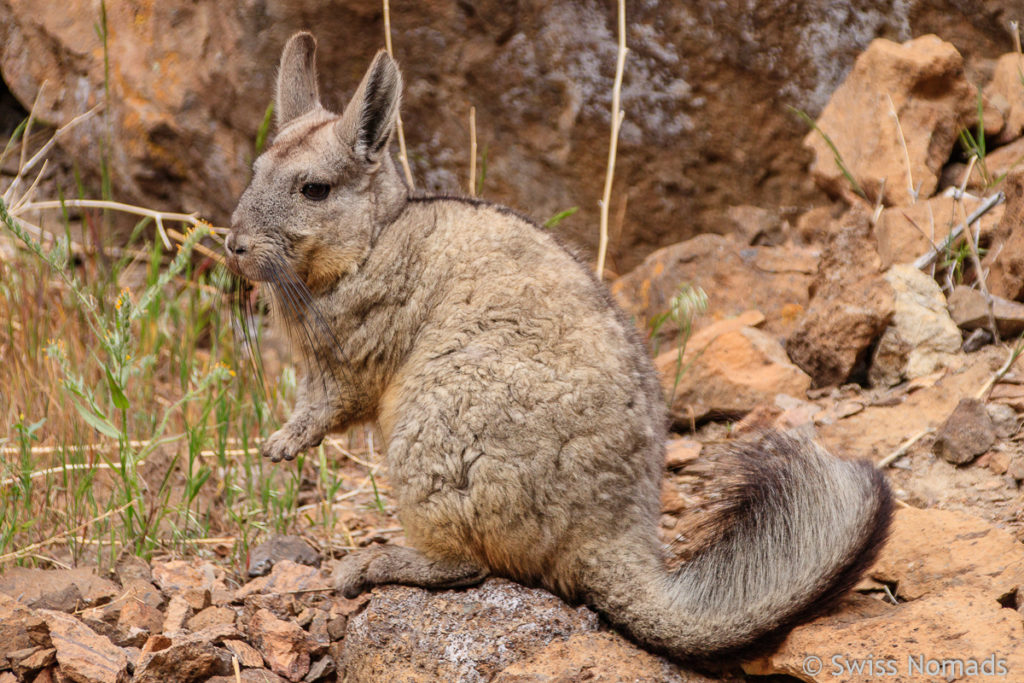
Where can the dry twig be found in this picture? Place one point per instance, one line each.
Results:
(928, 259)
(903, 448)
(906, 152)
(1000, 373)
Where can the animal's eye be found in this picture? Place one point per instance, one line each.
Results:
(316, 191)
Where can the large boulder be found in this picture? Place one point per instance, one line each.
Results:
(497, 631)
(923, 83)
(1006, 92)
(1004, 261)
(851, 305)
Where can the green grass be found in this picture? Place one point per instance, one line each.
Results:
(560, 216)
(955, 258)
(132, 410)
(264, 131)
(687, 304)
(840, 164)
(973, 145)
(133, 425)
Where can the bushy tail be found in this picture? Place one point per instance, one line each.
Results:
(796, 531)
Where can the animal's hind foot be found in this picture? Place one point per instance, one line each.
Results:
(363, 569)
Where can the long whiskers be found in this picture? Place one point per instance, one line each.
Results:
(242, 309)
(293, 308)
(304, 323)
(315, 326)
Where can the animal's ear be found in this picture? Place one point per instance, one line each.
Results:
(296, 79)
(370, 116)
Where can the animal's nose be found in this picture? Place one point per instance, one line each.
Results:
(236, 244)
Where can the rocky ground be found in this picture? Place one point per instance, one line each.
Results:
(848, 325)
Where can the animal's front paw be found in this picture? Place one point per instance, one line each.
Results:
(350, 574)
(282, 445)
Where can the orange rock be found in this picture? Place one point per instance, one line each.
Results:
(681, 451)
(728, 368)
(924, 81)
(930, 550)
(83, 654)
(284, 645)
(735, 277)
(1005, 258)
(285, 577)
(1006, 92)
(851, 305)
(956, 635)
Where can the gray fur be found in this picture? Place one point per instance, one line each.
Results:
(524, 422)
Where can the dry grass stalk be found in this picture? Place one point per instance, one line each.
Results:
(158, 216)
(906, 152)
(402, 154)
(981, 276)
(27, 166)
(903, 448)
(617, 116)
(29, 549)
(472, 151)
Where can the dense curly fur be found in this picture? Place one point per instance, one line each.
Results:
(524, 422)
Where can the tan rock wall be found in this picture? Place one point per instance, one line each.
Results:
(705, 92)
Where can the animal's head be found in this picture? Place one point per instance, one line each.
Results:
(326, 186)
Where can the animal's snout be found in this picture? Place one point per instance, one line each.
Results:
(237, 244)
(238, 248)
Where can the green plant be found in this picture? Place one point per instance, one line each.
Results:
(973, 145)
(560, 216)
(955, 256)
(688, 302)
(122, 352)
(840, 164)
(264, 130)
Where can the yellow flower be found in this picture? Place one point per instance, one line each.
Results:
(123, 296)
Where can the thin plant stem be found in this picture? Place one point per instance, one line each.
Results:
(472, 151)
(158, 216)
(617, 116)
(906, 153)
(403, 156)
